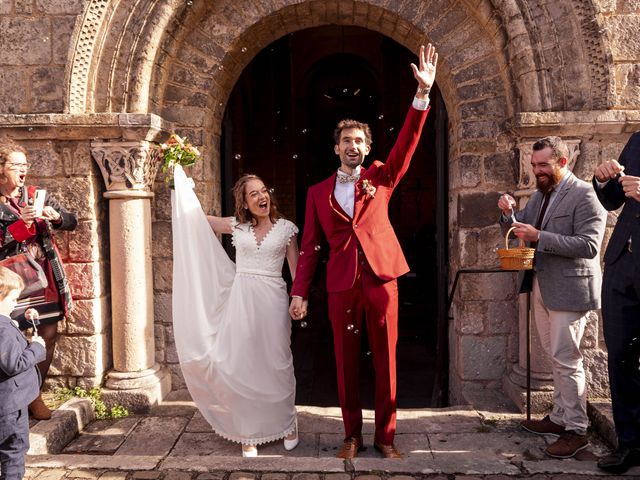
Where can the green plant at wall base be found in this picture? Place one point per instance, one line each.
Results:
(95, 397)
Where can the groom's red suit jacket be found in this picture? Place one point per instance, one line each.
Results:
(370, 226)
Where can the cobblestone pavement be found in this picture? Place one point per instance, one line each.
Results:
(174, 442)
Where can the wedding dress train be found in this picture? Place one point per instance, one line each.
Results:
(231, 323)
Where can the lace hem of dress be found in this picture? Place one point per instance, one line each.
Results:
(257, 441)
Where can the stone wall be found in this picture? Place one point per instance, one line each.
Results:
(66, 170)
(510, 72)
(36, 40)
(621, 21)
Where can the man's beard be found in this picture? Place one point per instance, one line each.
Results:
(546, 183)
(352, 162)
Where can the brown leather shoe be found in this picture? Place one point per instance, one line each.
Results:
(543, 427)
(387, 451)
(39, 410)
(567, 445)
(350, 448)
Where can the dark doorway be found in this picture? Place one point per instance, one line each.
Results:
(279, 123)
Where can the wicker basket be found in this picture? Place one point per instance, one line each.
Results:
(519, 258)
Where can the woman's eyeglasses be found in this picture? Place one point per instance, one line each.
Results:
(19, 166)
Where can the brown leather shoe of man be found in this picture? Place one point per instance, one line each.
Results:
(543, 427)
(39, 410)
(350, 448)
(567, 445)
(387, 451)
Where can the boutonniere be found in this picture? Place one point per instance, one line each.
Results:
(368, 189)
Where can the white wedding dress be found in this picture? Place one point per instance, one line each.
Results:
(231, 323)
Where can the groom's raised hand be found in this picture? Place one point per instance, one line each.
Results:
(425, 72)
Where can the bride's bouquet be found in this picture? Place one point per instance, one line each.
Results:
(177, 151)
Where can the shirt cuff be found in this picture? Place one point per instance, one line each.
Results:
(601, 184)
(420, 104)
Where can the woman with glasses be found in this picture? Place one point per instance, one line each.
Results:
(21, 230)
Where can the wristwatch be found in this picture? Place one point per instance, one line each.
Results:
(424, 91)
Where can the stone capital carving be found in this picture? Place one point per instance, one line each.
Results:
(127, 165)
(526, 178)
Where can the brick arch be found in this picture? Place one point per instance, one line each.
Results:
(194, 82)
(499, 57)
(559, 56)
(123, 48)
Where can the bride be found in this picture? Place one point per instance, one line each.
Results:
(231, 323)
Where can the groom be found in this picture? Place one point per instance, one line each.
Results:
(349, 210)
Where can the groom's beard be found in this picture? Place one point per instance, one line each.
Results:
(352, 162)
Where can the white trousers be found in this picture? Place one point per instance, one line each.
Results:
(560, 334)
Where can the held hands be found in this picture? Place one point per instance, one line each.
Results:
(28, 214)
(506, 203)
(298, 308)
(611, 170)
(425, 73)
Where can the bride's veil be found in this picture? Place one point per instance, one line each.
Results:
(202, 273)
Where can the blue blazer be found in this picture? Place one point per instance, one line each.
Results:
(612, 197)
(19, 375)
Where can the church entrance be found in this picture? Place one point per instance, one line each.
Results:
(279, 124)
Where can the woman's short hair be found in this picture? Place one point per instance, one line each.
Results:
(7, 147)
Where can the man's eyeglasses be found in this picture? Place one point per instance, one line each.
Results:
(19, 166)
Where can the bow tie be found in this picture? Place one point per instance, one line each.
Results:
(344, 178)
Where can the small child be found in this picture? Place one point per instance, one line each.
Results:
(19, 380)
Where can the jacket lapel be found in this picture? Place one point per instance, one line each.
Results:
(359, 195)
(329, 186)
(560, 195)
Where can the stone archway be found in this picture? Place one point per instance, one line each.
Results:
(180, 60)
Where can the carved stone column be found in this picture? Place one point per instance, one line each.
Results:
(129, 169)
(541, 373)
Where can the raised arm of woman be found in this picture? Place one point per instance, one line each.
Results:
(220, 224)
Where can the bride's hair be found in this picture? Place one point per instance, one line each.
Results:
(243, 215)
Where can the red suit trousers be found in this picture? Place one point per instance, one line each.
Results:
(376, 302)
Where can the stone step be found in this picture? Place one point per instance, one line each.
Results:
(174, 437)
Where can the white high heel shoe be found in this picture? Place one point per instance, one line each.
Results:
(249, 451)
(291, 444)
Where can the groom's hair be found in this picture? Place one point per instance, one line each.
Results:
(349, 123)
(243, 215)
